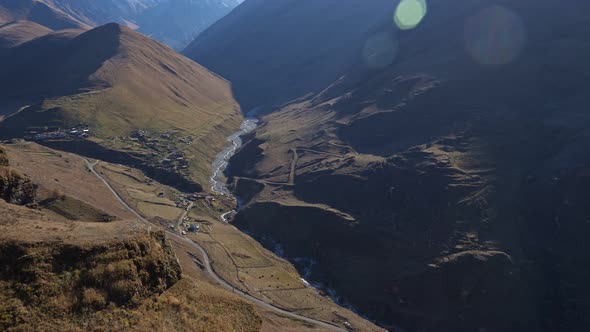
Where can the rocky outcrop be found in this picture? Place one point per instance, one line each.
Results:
(3, 158)
(15, 188)
(60, 280)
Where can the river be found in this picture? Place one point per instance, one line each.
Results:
(219, 186)
(218, 180)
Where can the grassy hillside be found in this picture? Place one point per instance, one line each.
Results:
(79, 274)
(18, 32)
(40, 12)
(116, 81)
(122, 280)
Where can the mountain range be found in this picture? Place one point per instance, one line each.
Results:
(108, 142)
(174, 22)
(116, 81)
(420, 163)
(434, 173)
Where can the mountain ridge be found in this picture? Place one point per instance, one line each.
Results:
(454, 146)
(118, 81)
(173, 22)
(38, 11)
(17, 32)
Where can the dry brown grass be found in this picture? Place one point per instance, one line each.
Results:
(130, 183)
(3, 158)
(58, 283)
(172, 93)
(52, 170)
(240, 260)
(15, 33)
(133, 83)
(196, 306)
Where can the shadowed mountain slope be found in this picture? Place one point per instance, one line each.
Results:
(40, 12)
(438, 178)
(294, 47)
(18, 32)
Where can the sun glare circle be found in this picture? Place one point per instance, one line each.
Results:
(409, 13)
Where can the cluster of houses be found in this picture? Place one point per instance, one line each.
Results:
(74, 132)
(186, 140)
(182, 202)
(142, 135)
(174, 162)
(190, 227)
(196, 196)
(185, 201)
(187, 225)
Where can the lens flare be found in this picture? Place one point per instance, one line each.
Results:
(495, 36)
(409, 13)
(380, 50)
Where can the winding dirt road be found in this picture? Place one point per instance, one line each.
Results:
(207, 262)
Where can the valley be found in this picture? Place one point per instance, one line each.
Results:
(435, 183)
(205, 260)
(414, 166)
(146, 124)
(230, 257)
(130, 190)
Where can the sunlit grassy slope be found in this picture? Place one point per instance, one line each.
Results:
(117, 81)
(42, 12)
(15, 33)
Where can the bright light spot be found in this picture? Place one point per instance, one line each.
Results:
(495, 36)
(380, 50)
(409, 13)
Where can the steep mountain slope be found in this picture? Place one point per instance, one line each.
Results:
(174, 22)
(40, 12)
(438, 181)
(114, 82)
(284, 43)
(18, 32)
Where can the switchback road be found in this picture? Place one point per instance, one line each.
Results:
(207, 261)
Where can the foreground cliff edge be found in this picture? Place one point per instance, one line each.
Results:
(64, 270)
(77, 256)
